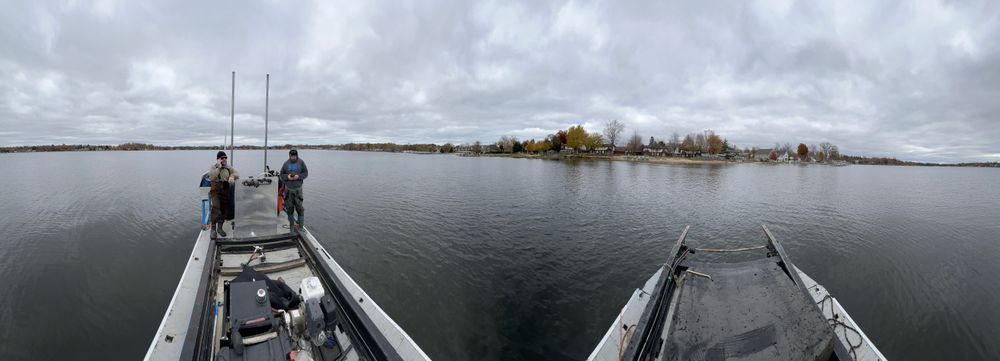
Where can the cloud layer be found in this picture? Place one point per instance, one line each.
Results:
(918, 80)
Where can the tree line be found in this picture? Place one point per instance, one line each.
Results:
(609, 138)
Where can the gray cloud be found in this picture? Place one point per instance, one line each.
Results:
(916, 80)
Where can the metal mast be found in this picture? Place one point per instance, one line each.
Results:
(232, 122)
(267, 92)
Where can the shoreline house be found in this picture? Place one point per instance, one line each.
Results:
(606, 149)
(762, 154)
(623, 150)
(657, 151)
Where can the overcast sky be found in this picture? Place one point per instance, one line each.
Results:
(919, 80)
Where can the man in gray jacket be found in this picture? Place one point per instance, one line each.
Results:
(293, 172)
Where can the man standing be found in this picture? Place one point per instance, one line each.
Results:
(293, 172)
(223, 177)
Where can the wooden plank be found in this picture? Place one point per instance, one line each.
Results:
(264, 268)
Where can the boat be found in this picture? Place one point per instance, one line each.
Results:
(268, 292)
(762, 307)
(327, 315)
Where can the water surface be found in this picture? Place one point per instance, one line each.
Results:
(496, 258)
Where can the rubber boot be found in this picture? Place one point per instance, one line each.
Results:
(221, 231)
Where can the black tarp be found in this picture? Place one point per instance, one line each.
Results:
(280, 295)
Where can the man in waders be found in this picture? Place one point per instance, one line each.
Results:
(293, 172)
(223, 178)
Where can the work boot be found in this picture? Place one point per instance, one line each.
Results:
(214, 233)
(292, 228)
(221, 231)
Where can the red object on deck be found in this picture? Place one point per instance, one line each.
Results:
(281, 198)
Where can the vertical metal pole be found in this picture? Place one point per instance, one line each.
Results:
(232, 122)
(267, 92)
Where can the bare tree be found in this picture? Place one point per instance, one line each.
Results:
(827, 148)
(635, 142)
(701, 142)
(506, 143)
(675, 140)
(612, 130)
(477, 147)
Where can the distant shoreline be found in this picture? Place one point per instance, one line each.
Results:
(131, 147)
(702, 161)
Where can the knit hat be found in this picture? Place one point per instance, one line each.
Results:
(220, 154)
(293, 152)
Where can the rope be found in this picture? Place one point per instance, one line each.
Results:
(835, 321)
(729, 250)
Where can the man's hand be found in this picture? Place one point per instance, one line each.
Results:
(232, 179)
(218, 162)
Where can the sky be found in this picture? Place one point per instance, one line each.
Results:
(917, 80)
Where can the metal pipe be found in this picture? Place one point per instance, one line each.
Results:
(267, 92)
(232, 122)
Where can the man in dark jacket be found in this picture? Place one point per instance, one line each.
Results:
(293, 172)
(223, 177)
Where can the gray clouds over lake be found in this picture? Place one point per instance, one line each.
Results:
(919, 80)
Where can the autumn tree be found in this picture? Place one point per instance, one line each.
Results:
(576, 137)
(594, 141)
(543, 146)
(562, 137)
(714, 143)
(613, 130)
(803, 151)
(530, 146)
(689, 144)
(773, 155)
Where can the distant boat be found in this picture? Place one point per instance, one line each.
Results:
(761, 309)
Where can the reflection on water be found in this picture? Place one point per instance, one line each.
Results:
(494, 258)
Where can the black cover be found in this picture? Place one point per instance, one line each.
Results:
(248, 316)
(329, 311)
(281, 296)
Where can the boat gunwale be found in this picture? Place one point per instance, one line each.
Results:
(383, 349)
(173, 300)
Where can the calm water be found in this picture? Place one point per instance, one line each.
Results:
(495, 258)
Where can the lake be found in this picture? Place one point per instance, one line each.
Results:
(497, 258)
